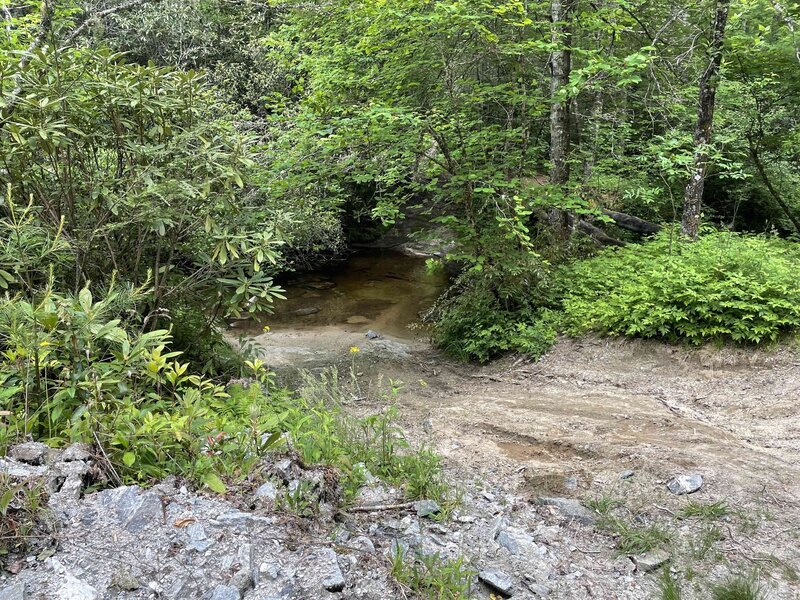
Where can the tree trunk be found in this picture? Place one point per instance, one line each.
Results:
(561, 12)
(693, 200)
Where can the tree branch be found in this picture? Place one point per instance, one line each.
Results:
(104, 13)
(45, 26)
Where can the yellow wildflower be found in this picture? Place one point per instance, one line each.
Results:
(266, 328)
(354, 349)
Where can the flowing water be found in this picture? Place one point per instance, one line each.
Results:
(377, 290)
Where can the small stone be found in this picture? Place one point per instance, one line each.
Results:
(363, 544)
(685, 484)
(198, 540)
(650, 561)
(123, 580)
(540, 591)
(426, 508)
(571, 484)
(372, 335)
(242, 581)
(571, 508)
(328, 567)
(32, 453)
(322, 285)
(73, 588)
(498, 581)
(267, 492)
(225, 592)
(626, 474)
(305, 312)
(14, 592)
(270, 570)
(283, 468)
(77, 452)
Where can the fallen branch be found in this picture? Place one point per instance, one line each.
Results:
(380, 507)
(598, 234)
(631, 223)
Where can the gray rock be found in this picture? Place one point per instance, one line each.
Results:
(72, 588)
(685, 484)
(570, 508)
(32, 453)
(538, 590)
(283, 468)
(133, 508)
(571, 483)
(508, 542)
(225, 592)
(498, 581)
(327, 565)
(14, 592)
(304, 312)
(77, 452)
(267, 492)
(372, 335)
(270, 570)
(626, 474)
(198, 539)
(363, 544)
(650, 561)
(243, 581)
(18, 470)
(426, 508)
(397, 547)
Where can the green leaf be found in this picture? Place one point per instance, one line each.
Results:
(214, 483)
(128, 459)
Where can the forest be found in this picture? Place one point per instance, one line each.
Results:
(620, 168)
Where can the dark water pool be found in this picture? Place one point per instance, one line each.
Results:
(380, 290)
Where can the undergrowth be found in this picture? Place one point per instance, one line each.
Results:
(22, 522)
(433, 577)
(723, 287)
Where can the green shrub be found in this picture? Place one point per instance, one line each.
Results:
(725, 286)
(473, 323)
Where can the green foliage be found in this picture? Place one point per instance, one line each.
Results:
(22, 516)
(707, 512)
(472, 323)
(726, 287)
(634, 539)
(739, 588)
(323, 433)
(432, 577)
(72, 370)
(670, 588)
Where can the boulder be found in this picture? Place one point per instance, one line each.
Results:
(32, 453)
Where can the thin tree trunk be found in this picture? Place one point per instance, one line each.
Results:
(762, 172)
(693, 199)
(561, 12)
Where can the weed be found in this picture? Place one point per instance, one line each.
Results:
(603, 505)
(301, 501)
(706, 512)
(21, 516)
(433, 577)
(632, 539)
(703, 545)
(670, 590)
(739, 588)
